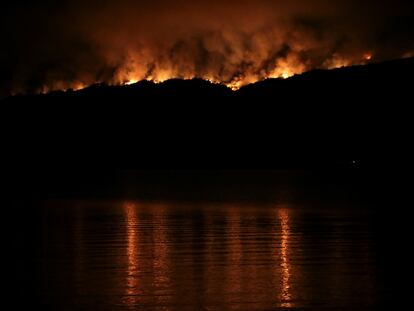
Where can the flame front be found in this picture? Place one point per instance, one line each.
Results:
(281, 69)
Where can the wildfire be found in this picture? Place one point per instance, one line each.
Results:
(281, 73)
(162, 76)
(232, 43)
(286, 75)
(62, 86)
(286, 68)
(282, 68)
(234, 85)
(336, 61)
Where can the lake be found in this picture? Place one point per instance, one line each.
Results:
(168, 255)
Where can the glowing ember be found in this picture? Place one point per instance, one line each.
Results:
(286, 75)
(130, 82)
(78, 86)
(234, 85)
(367, 56)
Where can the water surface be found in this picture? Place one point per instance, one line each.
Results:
(132, 255)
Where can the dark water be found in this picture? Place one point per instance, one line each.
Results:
(127, 255)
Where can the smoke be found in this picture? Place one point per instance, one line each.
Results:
(76, 43)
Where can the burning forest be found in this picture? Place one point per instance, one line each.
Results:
(74, 44)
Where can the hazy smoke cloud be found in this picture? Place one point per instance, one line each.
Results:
(81, 42)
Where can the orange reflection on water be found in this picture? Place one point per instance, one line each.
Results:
(79, 240)
(285, 296)
(140, 258)
(161, 251)
(234, 284)
(132, 253)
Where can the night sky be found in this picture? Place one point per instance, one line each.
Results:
(51, 44)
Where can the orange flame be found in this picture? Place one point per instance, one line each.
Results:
(283, 68)
(367, 56)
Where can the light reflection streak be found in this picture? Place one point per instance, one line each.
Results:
(235, 252)
(79, 248)
(132, 254)
(238, 286)
(285, 295)
(161, 264)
